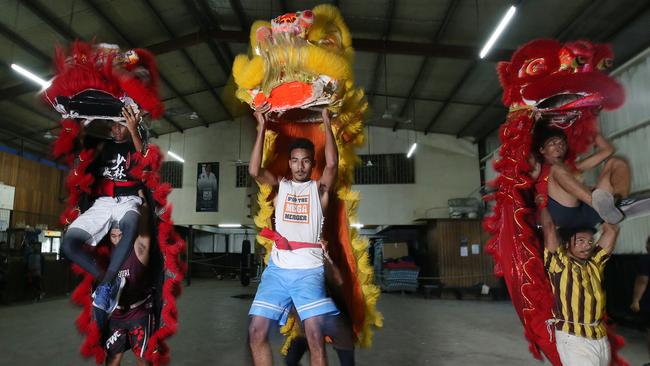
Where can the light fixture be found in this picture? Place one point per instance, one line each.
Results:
(411, 150)
(229, 225)
(170, 153)
(31, 76)
(497, 32)
(357, 225)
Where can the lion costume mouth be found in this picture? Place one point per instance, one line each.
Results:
(562, 110)
(298, 101)
(97, 81)
(92, 104)
(570, 101)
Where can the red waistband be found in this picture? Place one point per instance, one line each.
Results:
(106, 187)
(283, 244)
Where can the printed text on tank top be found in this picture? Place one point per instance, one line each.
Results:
(298, 218)
(297, 206)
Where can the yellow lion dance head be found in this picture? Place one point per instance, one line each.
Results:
(298, 64)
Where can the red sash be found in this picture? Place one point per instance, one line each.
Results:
(106, 187)
(283, 244)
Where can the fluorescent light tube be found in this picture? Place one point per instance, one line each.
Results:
(31, 76)
(170, 153)
(411, 150)
(497, 32)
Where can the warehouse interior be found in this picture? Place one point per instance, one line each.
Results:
(423, 170)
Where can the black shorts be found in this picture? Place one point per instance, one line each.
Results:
(580, 216)
(129, 334)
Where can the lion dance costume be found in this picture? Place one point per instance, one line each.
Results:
(300, 63)
(96, 82)
(565, 86)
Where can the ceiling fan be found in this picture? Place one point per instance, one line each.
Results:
(181, 112)
(390, 112)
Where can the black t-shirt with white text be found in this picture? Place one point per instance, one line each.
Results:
(115, 164)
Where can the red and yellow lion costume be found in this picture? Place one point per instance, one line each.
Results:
(298, 64)
(564, 85)
(93, 82)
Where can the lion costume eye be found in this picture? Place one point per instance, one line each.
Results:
(605, 64)
(534, 67)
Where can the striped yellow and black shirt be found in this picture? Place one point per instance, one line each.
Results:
(578, 290)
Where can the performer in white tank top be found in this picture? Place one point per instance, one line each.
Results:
(295, 274)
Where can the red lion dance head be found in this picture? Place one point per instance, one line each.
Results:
(546, 83)
(94, 82)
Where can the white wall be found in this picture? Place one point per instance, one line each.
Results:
(446, 168)
(217, 143)
(629, 129)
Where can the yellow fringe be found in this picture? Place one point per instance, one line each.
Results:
(248, 73)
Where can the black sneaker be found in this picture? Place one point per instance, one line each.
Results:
(634, 207)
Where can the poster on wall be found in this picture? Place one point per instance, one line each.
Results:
(207, 187)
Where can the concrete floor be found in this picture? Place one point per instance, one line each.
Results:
(213, 332)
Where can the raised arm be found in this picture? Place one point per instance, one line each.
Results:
(328, 179)
(604, 149)
(551, 240)
(255, 166)
(132, 120)
(607, 240)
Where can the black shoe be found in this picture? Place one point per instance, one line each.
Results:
(634, 207)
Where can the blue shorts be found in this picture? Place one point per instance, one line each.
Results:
(281, 288)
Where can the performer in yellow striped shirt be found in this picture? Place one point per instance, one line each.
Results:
(575, 264)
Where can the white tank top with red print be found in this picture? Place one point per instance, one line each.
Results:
(298, 218)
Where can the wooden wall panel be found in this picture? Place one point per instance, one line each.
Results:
(38, 190)
(9, 168)
(445, 238)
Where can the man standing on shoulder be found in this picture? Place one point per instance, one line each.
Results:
(575, 267)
